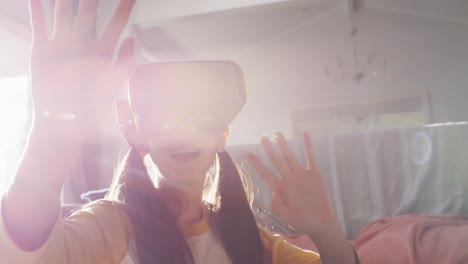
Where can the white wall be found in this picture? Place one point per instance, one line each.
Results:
(149, 12)
(287, 72)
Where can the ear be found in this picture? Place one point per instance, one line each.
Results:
(223, 140)
(135, 140)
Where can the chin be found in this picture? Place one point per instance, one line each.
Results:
(185, 171)
(180, 180)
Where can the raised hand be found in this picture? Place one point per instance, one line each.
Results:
(300, 197)
(72, 74)
(72, 70)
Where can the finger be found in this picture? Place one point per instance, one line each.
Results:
(286, 152)
(276, 158)
(264, 172)
(85, 22)
(111, 34)
(38, 21)
(63, 17)
(309, 151)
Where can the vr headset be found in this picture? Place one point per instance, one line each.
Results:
(207, 95)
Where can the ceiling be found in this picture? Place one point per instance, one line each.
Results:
(14, 14)
(226, 34)
(232, 31)
(168, 29)
(449, 10)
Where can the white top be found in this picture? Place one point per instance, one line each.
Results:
(205, 249)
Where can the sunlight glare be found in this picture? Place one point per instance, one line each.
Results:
(14, 114)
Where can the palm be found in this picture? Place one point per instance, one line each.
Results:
(300, 197)
(70, 77)
(70, 70)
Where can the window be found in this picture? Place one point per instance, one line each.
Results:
(15, 113)
(367, 115)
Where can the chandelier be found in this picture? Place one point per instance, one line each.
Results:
(356, 65)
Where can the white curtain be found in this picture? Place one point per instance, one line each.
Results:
(15, 114)
(370, 175)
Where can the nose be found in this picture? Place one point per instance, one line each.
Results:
(174, 137)
(176, 130)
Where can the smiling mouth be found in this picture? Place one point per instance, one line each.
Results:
(185, 155)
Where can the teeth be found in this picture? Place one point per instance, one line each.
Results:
(185, 151)
(185, 154)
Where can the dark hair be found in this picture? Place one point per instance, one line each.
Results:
(157, 237)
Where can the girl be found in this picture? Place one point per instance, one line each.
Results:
(180, 215)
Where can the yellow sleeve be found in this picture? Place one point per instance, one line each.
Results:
(96, 234)
(284, 253)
